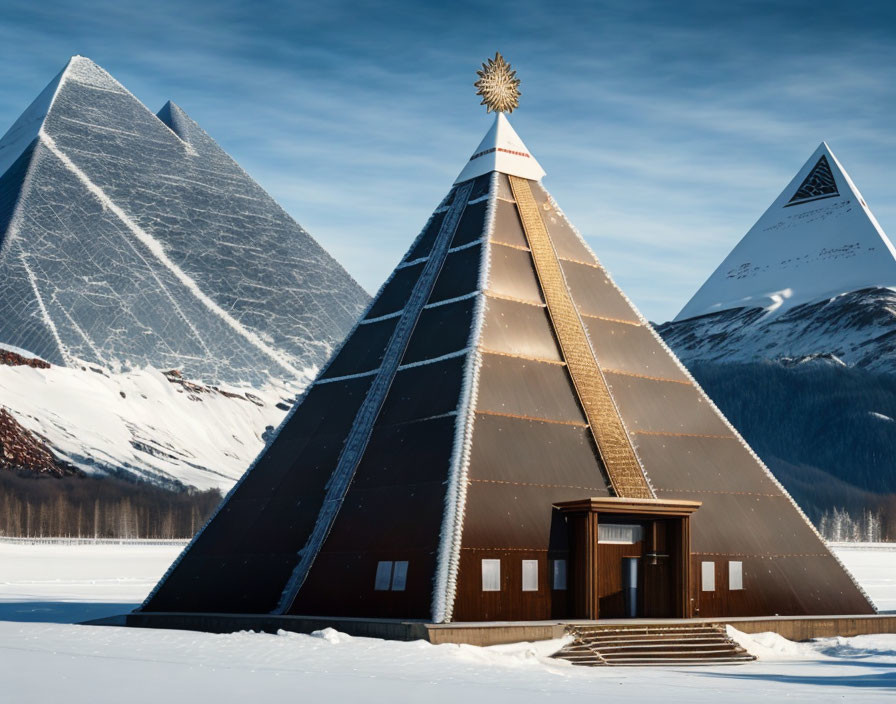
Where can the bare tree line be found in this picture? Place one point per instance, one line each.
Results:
(86, 507)
(838, 525)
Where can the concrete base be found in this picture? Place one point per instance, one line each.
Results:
(494, 633)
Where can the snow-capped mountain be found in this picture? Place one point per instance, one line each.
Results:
(142, 425)
(816, 275)
(129, 239)
(857, 328)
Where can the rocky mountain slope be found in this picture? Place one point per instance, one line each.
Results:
(856, 329)
(141, 425)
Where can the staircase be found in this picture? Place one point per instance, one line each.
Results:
(700, 644)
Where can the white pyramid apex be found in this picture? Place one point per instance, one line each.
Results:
(501, 150)
(817, 240)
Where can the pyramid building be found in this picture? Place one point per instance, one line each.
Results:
(132, 239)
(818, 239)
(504, 437)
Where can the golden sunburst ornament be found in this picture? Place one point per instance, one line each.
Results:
(498, 86)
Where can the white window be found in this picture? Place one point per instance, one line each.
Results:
(559, 574)
(530, 575)
(399, 576)
(383, 576)
(619, 534)
(491, 575)
(735, 575)
(708, 574)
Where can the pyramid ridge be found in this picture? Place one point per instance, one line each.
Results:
(85, 70)
(28, 125)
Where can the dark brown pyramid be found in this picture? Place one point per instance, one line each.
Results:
(503, 436)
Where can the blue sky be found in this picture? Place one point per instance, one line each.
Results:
(665, 129)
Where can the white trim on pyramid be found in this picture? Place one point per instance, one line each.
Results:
(812, 244)
(448, 556)
(283, 423)
(355, 444)
(459, 248)
(501, 150)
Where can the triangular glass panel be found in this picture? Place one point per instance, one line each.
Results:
(818, 184)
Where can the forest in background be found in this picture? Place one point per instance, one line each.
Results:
(86, 507)
(826, 431)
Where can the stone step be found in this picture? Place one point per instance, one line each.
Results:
(642, 638)
(639, 647)
(643, 631)
(643, 662)
(686, 645)
(660, 653)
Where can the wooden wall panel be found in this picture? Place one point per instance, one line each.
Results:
(631, 348)
(512, 275)
(519, 329)
(595, 294)
(511, 603)
(523, 387)
(655, 406)
(508, 228)
(540, 454)
(565, 240)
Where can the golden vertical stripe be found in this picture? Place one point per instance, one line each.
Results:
(613, 444)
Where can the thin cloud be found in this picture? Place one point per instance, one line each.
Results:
(666, 130)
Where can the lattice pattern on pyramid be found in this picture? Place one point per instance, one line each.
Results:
(133, 239)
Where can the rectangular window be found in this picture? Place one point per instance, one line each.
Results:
(559, 574)
(383, 576)
(399, 576)
(735, 575)
(491, 575)
(619, 534)
(708, 574)
(530, 575)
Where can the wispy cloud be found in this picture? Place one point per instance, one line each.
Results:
(666, 128)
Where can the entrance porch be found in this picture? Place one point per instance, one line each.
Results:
(629, 558)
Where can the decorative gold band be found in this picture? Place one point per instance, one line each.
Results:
(613, 443)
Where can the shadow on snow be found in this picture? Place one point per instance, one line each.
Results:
(59, 611)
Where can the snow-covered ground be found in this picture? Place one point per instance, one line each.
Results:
(66, 583)
(141, 423)
(43, 657)
(874, 566)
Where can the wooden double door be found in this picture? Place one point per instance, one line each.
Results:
(646, 588)
(598, 570)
